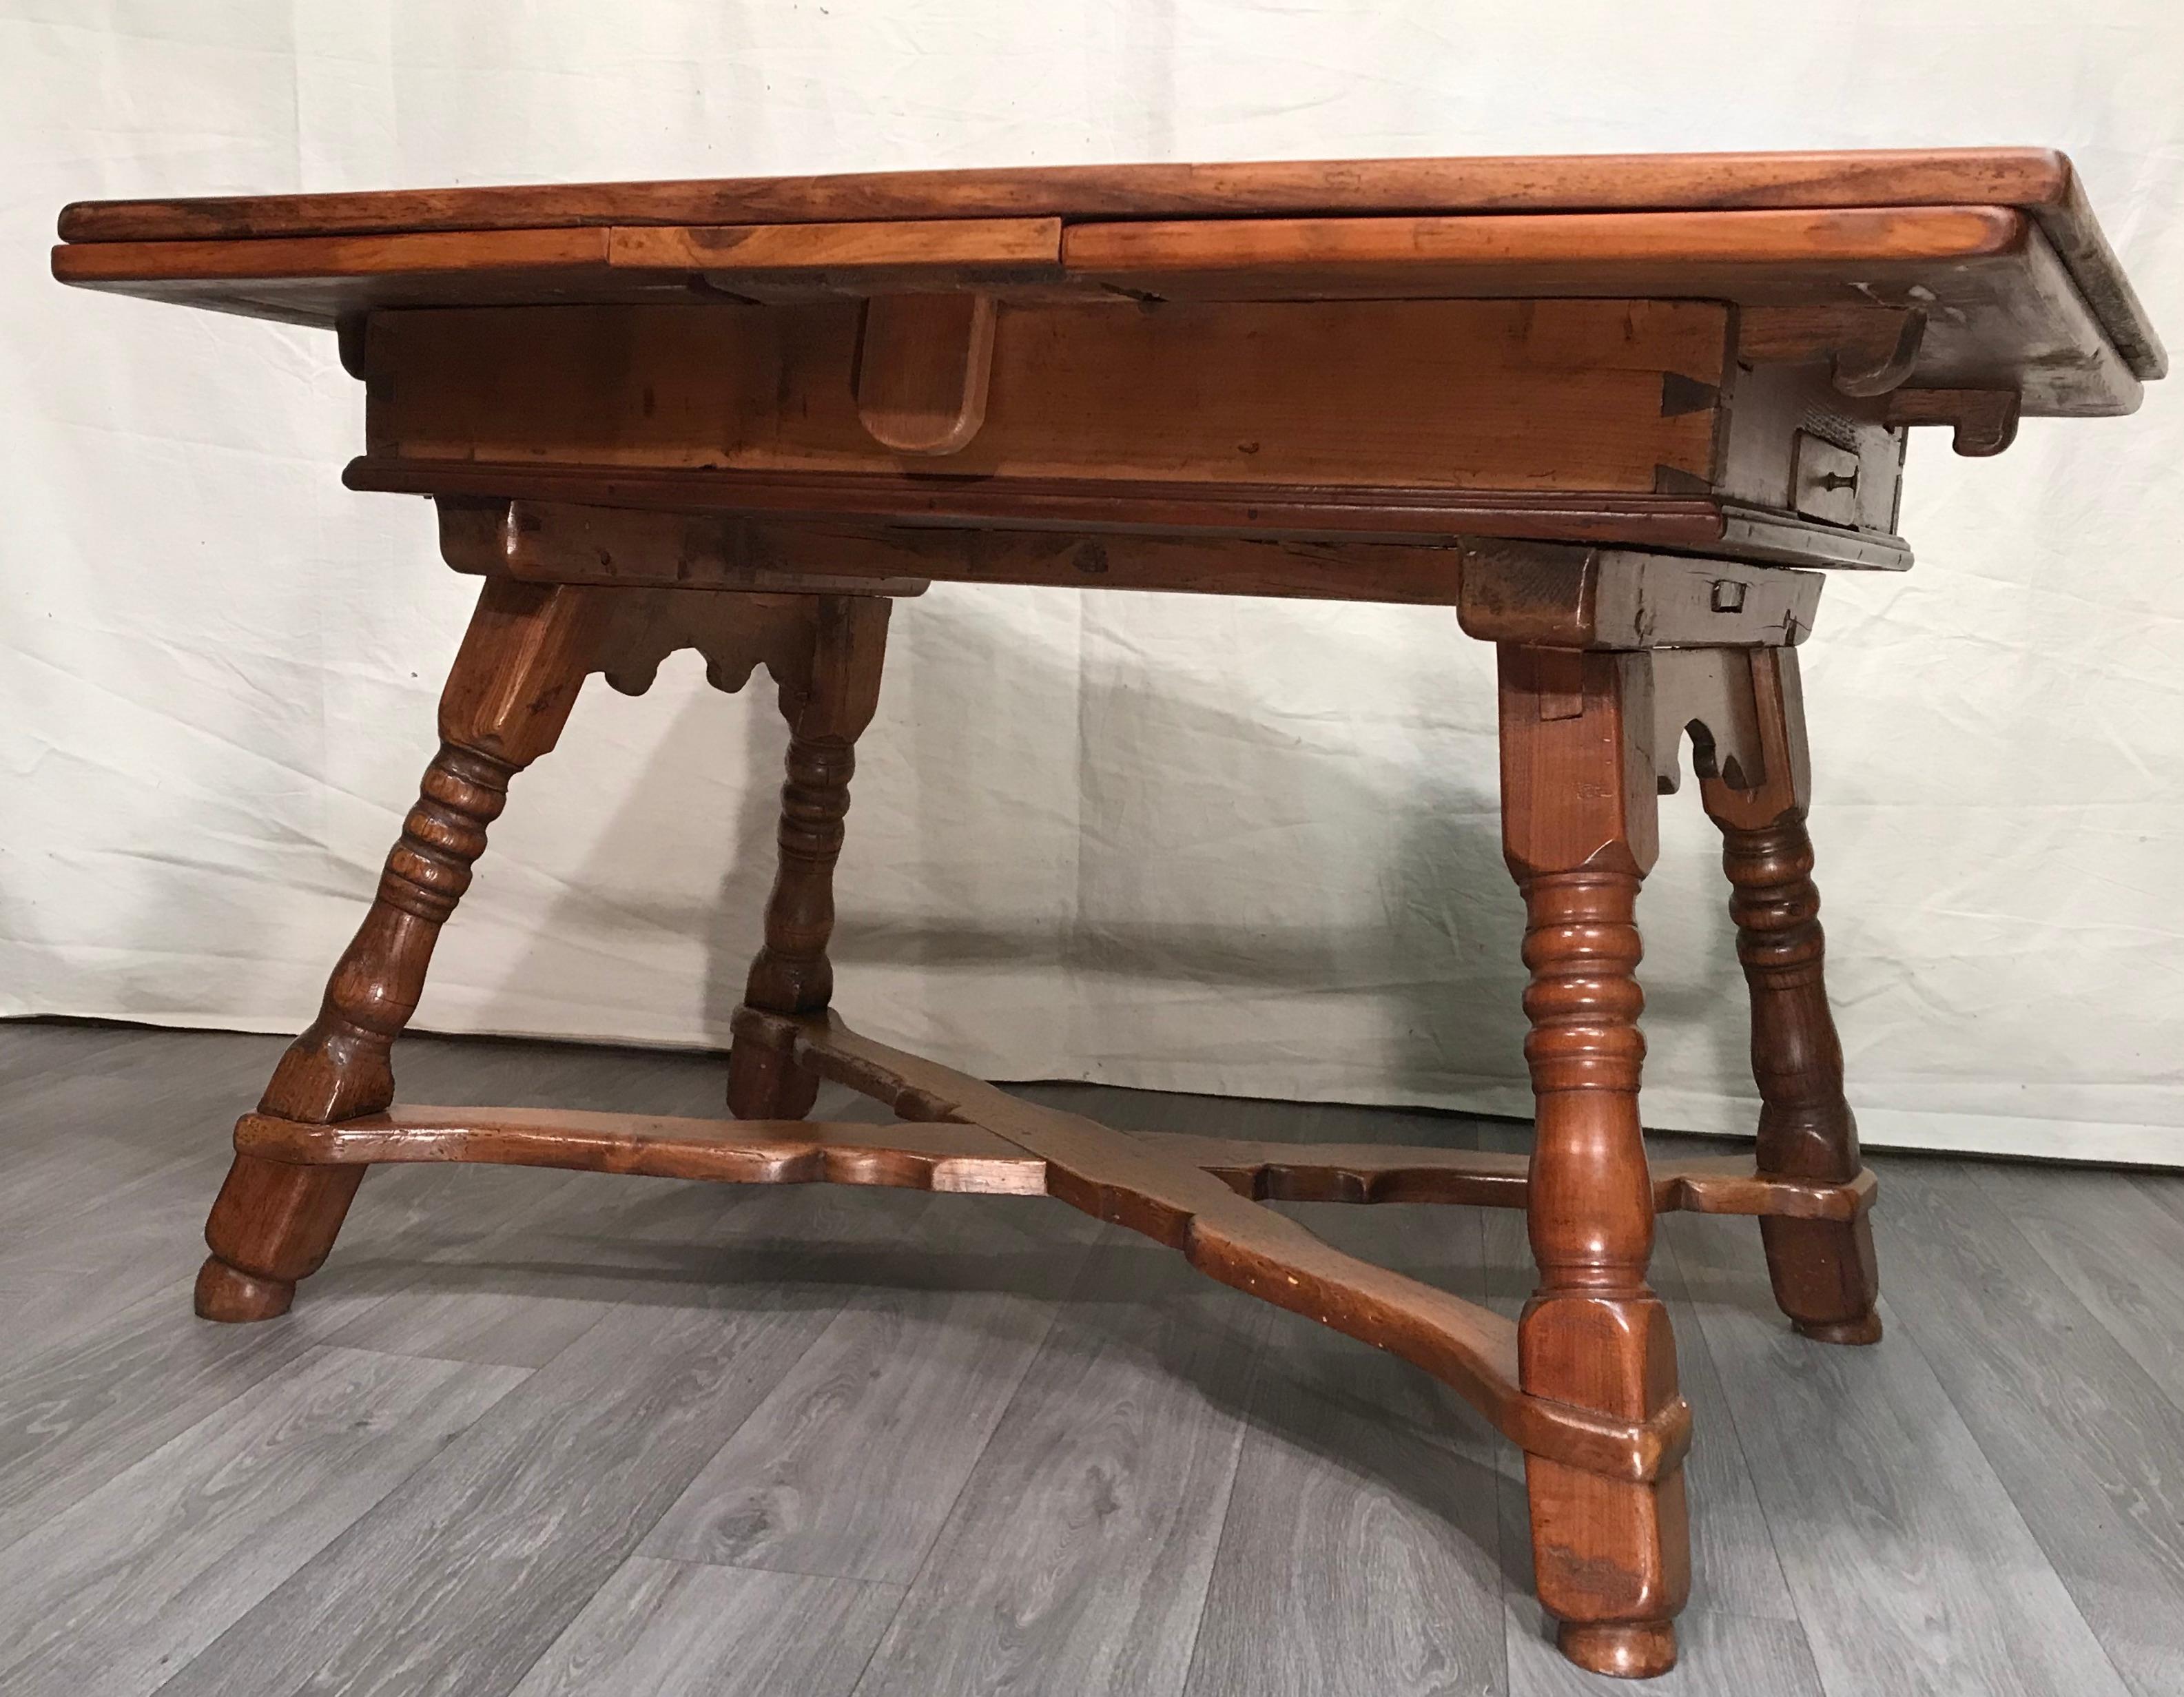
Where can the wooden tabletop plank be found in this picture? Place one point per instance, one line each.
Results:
(2038, 181)
(320, 280)
(930, 251)
(2009, 316)
(1804, 236)
(1999, 176)
(1025, 245)
(407, 253)
(2004, 313)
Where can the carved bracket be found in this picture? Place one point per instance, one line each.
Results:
(1744, 711)
(1707, 693)
(1984, 421)
(735, 633)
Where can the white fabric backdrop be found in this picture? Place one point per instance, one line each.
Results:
(1215, 845)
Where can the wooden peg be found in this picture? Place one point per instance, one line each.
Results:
(1984, 421)
(923, 368)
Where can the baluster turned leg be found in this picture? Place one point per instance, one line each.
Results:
(1823, 1271)
(792, 974)
(515, 680)
(1612, 1557)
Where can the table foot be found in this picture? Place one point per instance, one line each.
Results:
(1824, 1276)
(230, 1294)
(1866, 1329)
(1622, 1650)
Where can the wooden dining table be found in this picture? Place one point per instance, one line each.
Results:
(1623, 415)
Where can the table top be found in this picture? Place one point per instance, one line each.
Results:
(1999, 246)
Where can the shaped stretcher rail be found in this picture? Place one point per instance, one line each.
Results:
(1198, 1195)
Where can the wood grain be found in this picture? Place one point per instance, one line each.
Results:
(1562, 357)
(1735, 1571)
(166, 1554)
(93, 1403)
(2003, 311)
(94, 1159)
(1517, 395)
(922, 1155)
(445, 1241)
(1363, 1504)
(944, 1157)
(1612, 1557)
(2083, 1439)
(2117, 1241)
(1825, 1275)
(1724, 1656)
(557, 542)
(852, 258)
(1117, 1178)
(2007, 315)
(515, 676)
(925, 366)
(1911, 1569)
(75, 1415)
(1539, 592)
(2006, 176)
(791, 973)
(1549, 597)
(670, 1627)
(542, 1499)
(851, 1465)
(1982, 422)
(1084, 1538)
(2040, 181)
(1198, 256)
(1696, 524)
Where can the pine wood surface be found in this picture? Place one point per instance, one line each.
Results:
(2001, 240)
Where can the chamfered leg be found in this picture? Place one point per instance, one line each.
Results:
(514, 680)
(1611, 1557)
(792, 974)
(1824, 1272)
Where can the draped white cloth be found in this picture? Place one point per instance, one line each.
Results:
(1229, 846)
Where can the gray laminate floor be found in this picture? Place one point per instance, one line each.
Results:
(537, 1433)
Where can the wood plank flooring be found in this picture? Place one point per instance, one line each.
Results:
(536, 1433)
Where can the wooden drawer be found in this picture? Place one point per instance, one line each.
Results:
(1614, 421)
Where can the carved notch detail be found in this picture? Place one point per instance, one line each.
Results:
(735, 633)
(1707, 693)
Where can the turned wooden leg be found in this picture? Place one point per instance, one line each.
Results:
(1824, 1272)
(1612, 1558)
(515, 680)
(792, 974)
